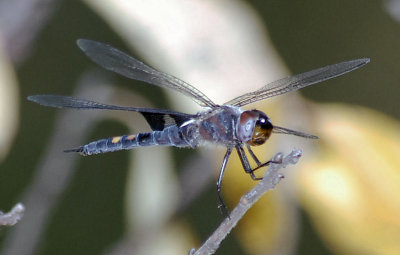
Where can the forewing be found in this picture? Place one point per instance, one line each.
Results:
(117, 61)
(158, 119)
(298, 81)
(58, 101)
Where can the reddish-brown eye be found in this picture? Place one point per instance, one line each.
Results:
(246, 125)
(262, 130)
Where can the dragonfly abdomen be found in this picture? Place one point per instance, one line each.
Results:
(170, 136)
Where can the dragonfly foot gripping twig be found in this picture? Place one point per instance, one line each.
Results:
(269, 181)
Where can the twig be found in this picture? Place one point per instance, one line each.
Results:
(12, 217)
(270, 180)
(21, 22)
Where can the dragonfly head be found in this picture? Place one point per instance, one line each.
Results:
(254, 127)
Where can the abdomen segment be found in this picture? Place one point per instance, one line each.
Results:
(170, 136)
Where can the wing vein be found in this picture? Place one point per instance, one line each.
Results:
(298, 81)
(119, 62)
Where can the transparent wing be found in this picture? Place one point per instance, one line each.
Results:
(58, 101)
(298, 81)
(157, 118)
(117, 61)
(282, 130)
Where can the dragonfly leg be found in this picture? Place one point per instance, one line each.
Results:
(253, 155)
(221, 204)
(245, 163)
(265, 164)
(259, 164)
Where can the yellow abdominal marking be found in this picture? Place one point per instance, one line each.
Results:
(131, 137)
(116, 139)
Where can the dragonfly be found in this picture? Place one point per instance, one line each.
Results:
(227, 124)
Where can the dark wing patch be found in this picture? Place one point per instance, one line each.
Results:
(158, 121)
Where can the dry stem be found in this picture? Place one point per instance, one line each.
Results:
(269, 181)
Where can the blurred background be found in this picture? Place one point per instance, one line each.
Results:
(341, 198)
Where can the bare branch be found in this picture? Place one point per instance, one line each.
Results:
(12, 217)
(270, 180)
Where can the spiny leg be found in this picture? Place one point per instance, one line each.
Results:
(265, 164)
(259, 164)
(221, 204)
(253, 155)
(245, 162)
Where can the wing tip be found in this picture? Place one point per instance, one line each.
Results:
(363, 61)
(82, 43)
(36, 99)
(31, 98)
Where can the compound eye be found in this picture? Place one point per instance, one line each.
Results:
(262, 131)
(246, 125)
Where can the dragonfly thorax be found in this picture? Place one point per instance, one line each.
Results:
(254, 127)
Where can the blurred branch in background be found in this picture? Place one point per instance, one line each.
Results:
(13, 216)
(9, 103)
(20, 23)
(197, 174)
(53, 173)
(56, 168)
(393, 8)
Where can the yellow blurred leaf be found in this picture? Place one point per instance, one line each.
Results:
(350, 188)
(9, 104)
